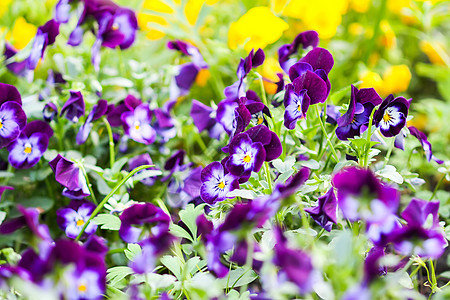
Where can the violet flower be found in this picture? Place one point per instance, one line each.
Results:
(426, 145)
(216, 183)
(361, 195)
(136, 124)
(28, 148)
(269, 140)
(85, 284)
(422, 235)
(355, 121)
(96, 113)
(140, 160)
(45, 36)
(233, 115)
(72, 218)
(204, 119)
(164, 125)
(69, 175)
(253, 60)
(245, 156)
(49, 112)
(142, 214)
(62, 11)
(296, 104)
(17, 67)
(74, 107)
(12, 117)
(188, 50)
(305, 39)
(295, 264)
(129, 104)
(311, 73)
(325, 213)
(391, 116)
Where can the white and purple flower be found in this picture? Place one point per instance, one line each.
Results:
(136, 124)
(28, 148)
(72, 218)
(297, 104)
(69, 175)
(12, 117)
(245, 156)
(216, 184)
(74, 107)
(391, 116)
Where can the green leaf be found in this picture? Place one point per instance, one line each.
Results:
(107, 221)
(145, 174)
(245, 194)
(180, 232)
(312, 164)
(119, 164)
(390, 172)
(174, 264)
(189, 217)
(116, 274)
(132, 250)
(238, 277)
(118, 81)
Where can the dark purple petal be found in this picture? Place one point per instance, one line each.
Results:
(319, 58)
(314, 84)
(74, 107)
(12, 121)
(45, 36)
(299, 69)
(325, 213)
(418, 211)
(200, 114)
(9, 93)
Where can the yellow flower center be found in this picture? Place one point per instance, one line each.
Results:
(221, 185)
(82, 288)
(260, 120)
(80, 222)
(28, 148)
(247, 158)
(387, 117)
(137, 125)
(115, 26)
(1, 124)
(299, 108)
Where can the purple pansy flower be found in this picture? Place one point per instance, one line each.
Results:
(97, 111)
(49, 112)
(311, 73)
(69, 175)
(140, 214)
(12, 117)
(391, 116)
(325, 213)
(45, 36)
(128, 104)
(136, 124)
(305, 39)
(28, 148)
(62, 11)
(216, 183)
(17, 67)
(164, 125)
(74, 107)
(186, 73)
(233, 115)
(296, 104)
(356, 119)
(72, 218)
(361, 195)
(426, 145)
(422, 235)
(30, 218)
(268, 139)
(295, 264)
(245, 156)
(204, 119)
(84, 284)
(253, 60)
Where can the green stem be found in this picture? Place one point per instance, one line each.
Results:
(88, 183)
(369, 135)
(268, 177)
(320, 234)
(326, 135)
(113, 191)
(437, 187)
(113, 251)
(112, 155)
(388, 155)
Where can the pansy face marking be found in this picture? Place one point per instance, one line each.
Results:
(216, 184)
(28, 148)
(391, 117)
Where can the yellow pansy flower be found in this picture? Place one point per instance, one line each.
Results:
(436, 52)
(270, 69)
(360, 6)
(257, 28)
(21, 34)
(396, 79)
(323, 16)
(4, 4)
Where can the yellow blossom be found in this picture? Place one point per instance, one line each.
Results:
(360, 6)
(388, 38)
(270, 69)
(396, 79)
(145, 23)
(397, 6)
(324, 16)
(256, 29)
(21, 34)
(192, 9)
(371, 80)
(202, 77)
(355, 29)
(4, 4)
(436, 52)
